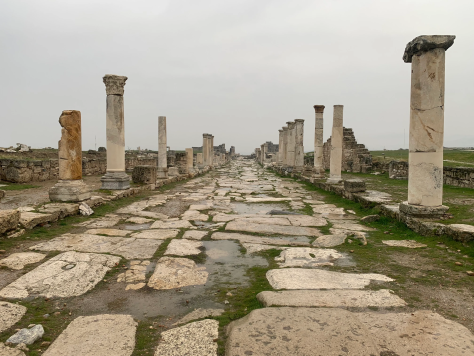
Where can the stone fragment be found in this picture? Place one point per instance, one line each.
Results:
(171, 224)
(20, 259)
(9, 351)
(307, 257)
(272, 229)
(183, 247)
(330, 240)
(97, 335)
(293, 330)
(30, 220)
(85, 209)
(195, 339)
(341, 224)
(370, 218)
(161, 234)
(136, 273)
(327, 209)
(101, 222)
(199, 314)
(138, 220)
(9, 220)
(242, 238)
(354, 185)
(27, 336)
(305, 220)
(173, 272)
(298, 278)
(135, 286)
(108, 232)
(266, 199)
(404, 243)
(60, 209)
(10, 314)
(53, 279)
(422, 44)
(194, 234)
(253, 247)
(331, 298)
(194, 215)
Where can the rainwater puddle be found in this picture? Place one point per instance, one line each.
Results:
(224, 263)
(252, 208)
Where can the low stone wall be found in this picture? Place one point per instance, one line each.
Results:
(398, 170)
(459, 176)
(21, 171)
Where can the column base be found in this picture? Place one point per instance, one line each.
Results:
(162, 173)
(334, 180)
(115, 181)
(69, 190)
(421, 211)
(173, 171)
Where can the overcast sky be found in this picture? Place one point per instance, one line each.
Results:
(237, 69)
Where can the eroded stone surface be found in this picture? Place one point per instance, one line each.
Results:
(177, 272)
(161, 234)
(194, 234)
(293, 330)
(330, 240)
(199, 314)
(21, 259)
(272, 229)
(404, 243)
(256, 239)
(252, 247)
(97, 335)
(108, 232)
(65, 275)
(331, 298)
(298, 278)
(307, 257)
(171, 224)
(195, 339)
(10, 351)
(10, 314)
(183, 247)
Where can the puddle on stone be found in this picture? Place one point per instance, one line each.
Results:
(253, 208)
(136, 227)
(224, 263)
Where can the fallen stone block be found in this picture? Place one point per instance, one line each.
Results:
(27, 336)
(9, 220)
(30, 220)
(10, 314)
(354, 185)
(307, 257)
(144, 174)
(199, 314)
(60, 210)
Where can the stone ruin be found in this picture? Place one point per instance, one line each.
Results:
(355, 157)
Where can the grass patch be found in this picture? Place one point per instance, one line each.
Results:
(19, 186)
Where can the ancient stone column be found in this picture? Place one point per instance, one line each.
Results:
(162, 171)
(190, 160)
(199, 160)
(335, 164)
(291, 143)
(284, 159)
(425, 176)
(262, 153)
(318, 169)
(211, 150)
(115, 178)
(257, 154)
(70, 186)
(280, 148)
(299, 148)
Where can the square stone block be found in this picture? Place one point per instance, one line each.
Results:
(144, 174)
(354, 185)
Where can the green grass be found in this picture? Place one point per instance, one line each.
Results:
(18, 186)
(461, 158)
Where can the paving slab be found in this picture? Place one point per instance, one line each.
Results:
(266, 199)
(242, 238)
(20, 259)
(331, 298)
(199, 314)
(159, 234)
(322, 331)
(97, 335)
(10, 351)
(305, 220)
(135, 273)
(127, 247)
(330, 240)
(171, 272)
(350, 226)
(183, 247)
(299, 278)
(139, 220)
(65, 275)
(9, 220)
(100, 222)
(150, 214)
(272, 229)
(171, 224)
(196, 339)
(194, 234)
(108, 232)
(307, 257)
(263, 220)
(10, 314)
(327, 209)
(30, 220)
(252, 247)
(404, 243)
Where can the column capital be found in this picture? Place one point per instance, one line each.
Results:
(299, 120)
(285, 128)
(423, 44)
(114, 84)
(280, 130)
(319, 108)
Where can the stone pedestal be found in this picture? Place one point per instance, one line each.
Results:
(290, 147)
(173, 171)
(70, 186)
(299, 148)
(115, 178)
(425, 176)
(318, 169)
(336, 146)
(144, 174)
(284, 151)
(190, 160)
(354, 185)
(162, 169)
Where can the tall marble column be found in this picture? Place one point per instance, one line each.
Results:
(425, 177)
(199, 160)
(115, 178)
(284, 160)
(335, 163)
(70, 186)
(211, 150)
(290, 148)
(190, 160)
(318, 169)
(205, 150)
(280, 148)
(162, 171)
(257, 154)
(299, 148)
(262, 153)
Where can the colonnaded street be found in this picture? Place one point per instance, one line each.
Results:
(240, 261)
